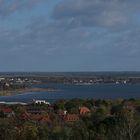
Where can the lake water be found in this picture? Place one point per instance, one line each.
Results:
(102, 91)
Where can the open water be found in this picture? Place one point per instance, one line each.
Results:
(63, 91)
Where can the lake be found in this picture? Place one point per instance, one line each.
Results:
(63, 91)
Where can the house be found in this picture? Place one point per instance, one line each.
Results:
(84, 110)
(25, 116)
(35, 111)
(71, 118)
(40, 119)
(8, 112)
(35, 117)
(45, 120)
(61, 112)
(7, 84)
(40, 102)
(2, 79)
(50, 109)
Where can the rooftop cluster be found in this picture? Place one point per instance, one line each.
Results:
(66, 119)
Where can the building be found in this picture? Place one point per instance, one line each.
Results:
(35, 110)
(61, 112)
(8, 112)
(45, 120)
(35, 117)
(71, 118)
(40, 102)
(25, 116)
(2, 79)
(83, 110)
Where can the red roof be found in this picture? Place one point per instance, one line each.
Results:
(25, 116)
(84, 110)
(71, 117)
(35, 117)
(45, 120)
(7, 110)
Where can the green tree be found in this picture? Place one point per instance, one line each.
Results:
(7, 130)
(29, 131)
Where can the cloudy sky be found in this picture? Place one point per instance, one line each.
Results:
(69, 35)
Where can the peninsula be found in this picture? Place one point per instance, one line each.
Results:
(11, 92)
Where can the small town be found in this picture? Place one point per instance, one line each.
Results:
(69, 69)
(70, 79)
(73, 119)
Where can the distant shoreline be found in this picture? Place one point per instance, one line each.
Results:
(21, 91)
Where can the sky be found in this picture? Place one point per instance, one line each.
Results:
(69, 35)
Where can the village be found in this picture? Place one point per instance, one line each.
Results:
(67, 119)
(41, 111)
(69, 78)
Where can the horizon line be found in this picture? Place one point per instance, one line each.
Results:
(65, 71)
